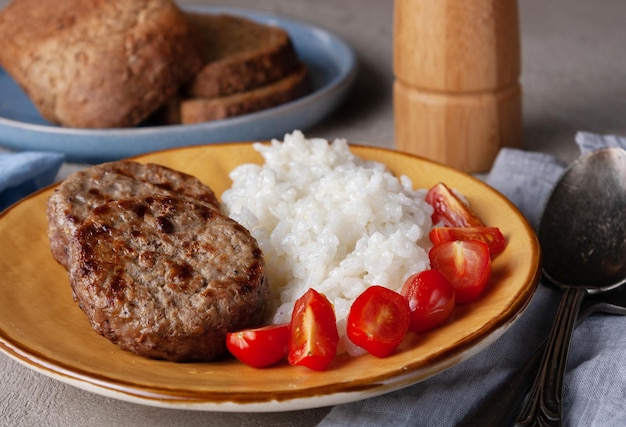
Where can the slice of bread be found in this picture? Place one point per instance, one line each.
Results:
(98, 64)
(239, 55)
(197, 110)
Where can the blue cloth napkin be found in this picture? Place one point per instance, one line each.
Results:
(594, 389)
(24, 173)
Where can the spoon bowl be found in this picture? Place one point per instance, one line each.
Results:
(583, 227)
(583, 238)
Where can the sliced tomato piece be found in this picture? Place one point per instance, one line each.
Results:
(378, 320)
(492, 236)
(314, 335)
(259, 347)
(431, 299)
(449, 209)
(466, 264)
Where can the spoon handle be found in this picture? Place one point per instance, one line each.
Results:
(543, 405)
(502, 406)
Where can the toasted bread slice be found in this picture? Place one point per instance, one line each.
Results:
(239, 55)
(197, 110)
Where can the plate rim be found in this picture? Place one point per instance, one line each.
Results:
(379, 384)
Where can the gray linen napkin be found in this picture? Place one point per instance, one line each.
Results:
(24, 173)
(595, 384)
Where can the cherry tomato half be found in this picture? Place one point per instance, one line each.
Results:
(259, 347)
(378, 320)
(449, 209)
(314, 336)
(492, 236)
(431, 299)
(466, 264)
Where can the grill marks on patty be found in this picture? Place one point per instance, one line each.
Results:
(165, 276)
(86, 190)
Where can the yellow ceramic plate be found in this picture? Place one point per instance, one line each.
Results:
(42, 327)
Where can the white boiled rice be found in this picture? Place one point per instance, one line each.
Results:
(328, 220)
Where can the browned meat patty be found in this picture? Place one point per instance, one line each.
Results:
(167, 277)
(74, 199)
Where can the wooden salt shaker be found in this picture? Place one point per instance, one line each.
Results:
(457, 97)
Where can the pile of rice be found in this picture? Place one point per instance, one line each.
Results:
(329, 220)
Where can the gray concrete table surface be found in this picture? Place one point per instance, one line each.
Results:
(573, 77)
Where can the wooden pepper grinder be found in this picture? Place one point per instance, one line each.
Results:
(457, 97)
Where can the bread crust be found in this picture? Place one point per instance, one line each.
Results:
(239, 55)
(198, 110)
(97, 63)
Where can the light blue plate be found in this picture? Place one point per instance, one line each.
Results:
(332, 66)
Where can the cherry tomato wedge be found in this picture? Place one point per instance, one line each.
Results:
(314, 336)
(259, 347)
(378, 320)
(449, 209)
(466, 264)
(492, 236)
(431, 299)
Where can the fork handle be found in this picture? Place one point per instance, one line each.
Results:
(543, 405)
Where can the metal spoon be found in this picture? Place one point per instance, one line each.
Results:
(501, 407)
(583, 238)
